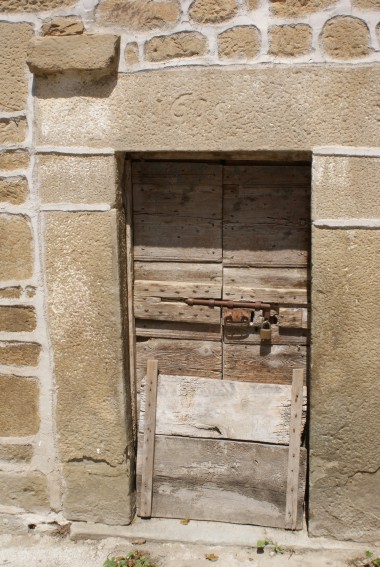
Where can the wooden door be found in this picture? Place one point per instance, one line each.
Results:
(223, 409)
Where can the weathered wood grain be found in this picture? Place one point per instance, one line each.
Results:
(294, 449)
(270, 364)
(280, 336)
(199, 407)
(182, 188)
(167, 282)
(210, 274)
(265, 245)
(176, 330)
(130, 277)
(184, 357)
(293, 318)
(177, 238)
(278, 285)
(227, 481)
(149, 439)
(266, 194)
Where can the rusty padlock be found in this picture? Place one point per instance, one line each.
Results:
(266, 331)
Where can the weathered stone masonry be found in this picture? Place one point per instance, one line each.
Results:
(119, 76)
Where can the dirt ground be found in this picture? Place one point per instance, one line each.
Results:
(36, 550)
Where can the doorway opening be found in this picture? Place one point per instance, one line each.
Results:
(219, 280)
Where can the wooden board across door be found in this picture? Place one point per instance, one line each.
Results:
(214, 231)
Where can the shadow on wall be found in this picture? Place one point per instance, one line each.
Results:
(72, 83)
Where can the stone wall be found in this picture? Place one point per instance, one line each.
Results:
(195, 75)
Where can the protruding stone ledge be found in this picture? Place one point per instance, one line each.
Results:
(95, 54)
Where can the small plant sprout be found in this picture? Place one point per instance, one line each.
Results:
(275, 547)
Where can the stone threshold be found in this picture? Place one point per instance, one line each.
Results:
(206, 533)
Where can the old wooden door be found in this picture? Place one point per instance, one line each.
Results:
(217, 231)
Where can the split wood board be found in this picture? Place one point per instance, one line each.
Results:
(259, 193)
(177, 238)
(176, 330)
(186, 189)
(280, 336)
(265, 245)
(217, 480)
(187, 357)
(277, 285)
(199, 407)
(270, 364)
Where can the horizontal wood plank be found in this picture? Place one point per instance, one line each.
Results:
(266, 194)
(269, 364)
(177, 330)
(265, 245)
(187, 357)
(210, 274)
(293, 318)
(277, 285)
(185, 189)
(199, 407)
(280, 336)
(226, 481)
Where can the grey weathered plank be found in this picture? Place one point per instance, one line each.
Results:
(293, 318)
(199, 407)
(130, 278)
(265, 245)
(157, 286)
(176, 330)
(185, 189)
(279, 285)
(272, 364)
(280, 336)
(184, 357)
(294, 449)
(177, 238)
(149, 439)
(266, 194)
(227, 481)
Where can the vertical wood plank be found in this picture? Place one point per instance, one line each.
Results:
(148, 443)
(130, 279)
(294, 449)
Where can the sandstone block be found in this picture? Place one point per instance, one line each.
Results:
(62, 26)
(14, 39)
(85, 179)
(196, 109)
(17, 318)
(240, 42)
(344, 484)
(19, 354)
(212, 11)
(14, 159)
(24, 490)
(97, 493)
(345, 37)
(82, 267)
(253, 4)
(290, 40)
(16, 453)
(366, 4)
(345, 187)
(139, 15)
(33, 5)
(92, 53)
(19, 399)
(16, 251)
(11, 292)
(131, 54)
(297, 8)
(176, 45)
(13, 190)
(12, 130)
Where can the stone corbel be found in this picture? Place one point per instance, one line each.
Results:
(94, 55)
